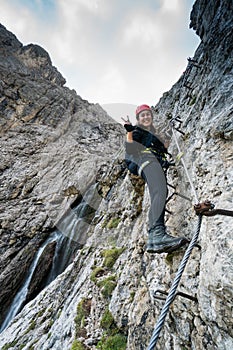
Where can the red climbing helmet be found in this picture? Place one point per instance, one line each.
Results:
(142, 108)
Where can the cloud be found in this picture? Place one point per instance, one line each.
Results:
(141, 30)
(168, 5)
(109, 85)
(118, 51)
(16, 17)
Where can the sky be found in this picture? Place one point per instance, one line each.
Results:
(109, 51)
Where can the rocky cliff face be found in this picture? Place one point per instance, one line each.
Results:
(55, 146)
(45, 129)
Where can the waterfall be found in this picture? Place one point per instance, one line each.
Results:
(69, 237)
(22, 293)
(77, 221)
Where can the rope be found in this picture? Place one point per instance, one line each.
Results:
(185, 168)
(172, 292)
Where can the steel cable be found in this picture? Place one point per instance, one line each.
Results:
(172, 292)
(185, 168)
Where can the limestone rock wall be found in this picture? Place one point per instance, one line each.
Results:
(51, 140)
(105, 297)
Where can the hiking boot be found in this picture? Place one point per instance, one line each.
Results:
(161, 242)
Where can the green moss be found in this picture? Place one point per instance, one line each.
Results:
(83, 310)
(107, 286)
(31, 327)
(132, 295)
(97, 272)
(77, 345)
(113, 223)
(113, 342)
(59, 313)
(41, 312)
(192, 101)
(113, 338)
(111, 255)
(107, 322)
(184, 347)
(22, 346)
(104, 223)
(10, 345)
(169, 259)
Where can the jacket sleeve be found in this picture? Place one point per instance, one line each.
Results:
(135, 147)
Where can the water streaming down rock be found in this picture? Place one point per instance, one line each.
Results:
(20, 297)
(73, 226)
(75, 223)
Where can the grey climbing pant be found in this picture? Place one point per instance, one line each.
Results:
(155, 178)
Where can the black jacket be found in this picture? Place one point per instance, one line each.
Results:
(142, 140)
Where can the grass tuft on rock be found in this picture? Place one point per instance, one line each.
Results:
(107, 286)
(113, 342)
(113, 223)
(111, 255)
(77, 345)
(97, 272)
(107, 322)
(83, 311)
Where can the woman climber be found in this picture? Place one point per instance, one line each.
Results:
(146, 156)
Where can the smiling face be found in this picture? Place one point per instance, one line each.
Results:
(145, 119)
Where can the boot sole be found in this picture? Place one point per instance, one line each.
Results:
(168, 249)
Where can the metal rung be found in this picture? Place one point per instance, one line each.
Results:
(177, 194)
(184, 295)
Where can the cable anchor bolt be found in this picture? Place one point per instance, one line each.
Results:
(207, 208)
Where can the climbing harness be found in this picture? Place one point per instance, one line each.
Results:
(206, 208)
